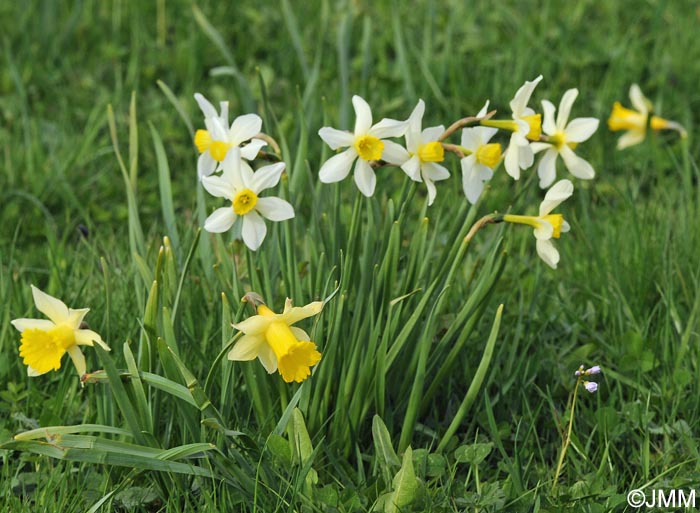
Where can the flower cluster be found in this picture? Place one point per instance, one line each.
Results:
(590, 386)
(225, 173)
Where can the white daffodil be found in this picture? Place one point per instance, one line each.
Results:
(278, 345)
(547, 226)
(368, 142)
(239, 184)
(481, 159)
(423, 152)
(45, 341)
(218, 138)
(562, 138)
(636, 121)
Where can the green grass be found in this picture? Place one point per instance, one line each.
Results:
(414, 308)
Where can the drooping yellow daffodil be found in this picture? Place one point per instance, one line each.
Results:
(547, 225)
(637, 121)
(278, 345)
(45, 341)
(481, 158)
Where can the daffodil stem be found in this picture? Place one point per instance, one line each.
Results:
(567, 438)
(464, 122)
(454, 148)
(487, 219)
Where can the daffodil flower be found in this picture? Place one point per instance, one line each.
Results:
(239, 184)
(423, 152)
(218, 138)
(481, 159)
(547, 225)
(636, 121)
(368, 142)
(526, 126)
(45, 341)
(562, 138)
(278, 345)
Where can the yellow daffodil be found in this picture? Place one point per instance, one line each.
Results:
(278, 345)
(45, 341)
(637, 121)
(547, 225)
(481, 158)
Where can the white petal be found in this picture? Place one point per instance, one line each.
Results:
(639, 101)
(539, 146)
(206, 165)
(51, 307)
(526, 157)
(434, 171)
(472, 184)
(432, 191)
(630, 139)
(363, 115)
(254, 230)
(336, 138)
(565, 105)
(32, 324)
(548, 253)
(207, 108)
(389, 128)
(254, 325)
(365, 179)
(300, 334)
(232, 169)
(244, 127)
(519, 102)
(218, 186)
(485, 133)
(217, 131)
(221, 220)
(432, 133)
(549, 127)
(577, 166)
(544, 231)
(565, 227)
(223, 117)
(88, 337)
(415, 121)
(412, 168)
(560, 191)
(512, 159)
(266, 177)
(337, 167)
(547, 168)
(581, 129)
(394, 153)
(484, 110)
(470, 139)
(274, 209)
(250, 151)
(247, 348)
(78, 359)
(248, 175)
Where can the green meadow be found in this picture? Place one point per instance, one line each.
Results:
(447, 379)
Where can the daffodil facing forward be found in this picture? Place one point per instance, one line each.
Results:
(424, 152)
(366, 144)
(214, 143)
(45, 341)
(547, 226)
(525, 126)
(239, 184)
(480, 160)
(562, 138)
(637, 121)
(278, 345)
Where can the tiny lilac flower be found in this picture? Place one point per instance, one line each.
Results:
(591, 386)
